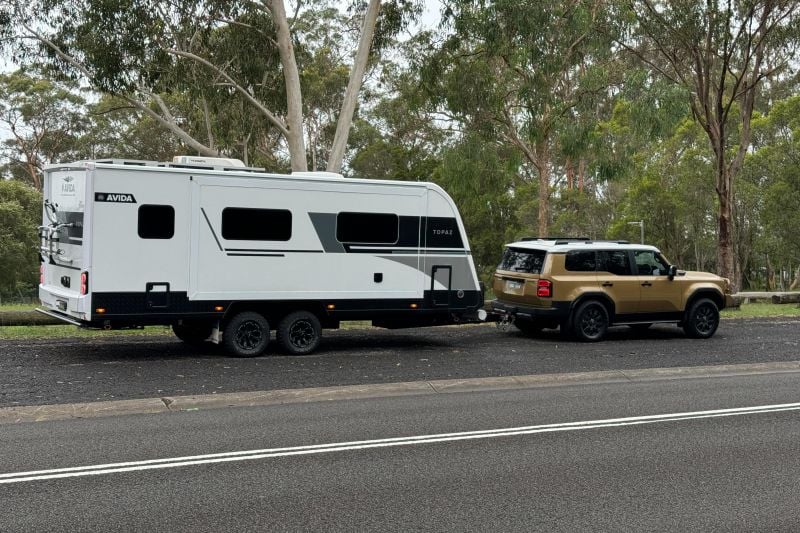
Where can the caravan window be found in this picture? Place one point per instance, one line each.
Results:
(367, 228)
(245, 224)
(156, 221)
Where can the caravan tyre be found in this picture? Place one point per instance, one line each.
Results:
(299, 333)
(246, 335)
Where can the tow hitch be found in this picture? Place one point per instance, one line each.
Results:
(505, 322)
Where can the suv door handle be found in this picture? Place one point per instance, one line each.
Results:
(608, 284)
(647, 284)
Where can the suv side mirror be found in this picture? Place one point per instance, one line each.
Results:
(672, 272)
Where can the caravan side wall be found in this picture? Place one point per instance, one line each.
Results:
(169, 244)
(303, 258)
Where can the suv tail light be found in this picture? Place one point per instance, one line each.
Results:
(544, 288)
(84, 283)
(41, 274)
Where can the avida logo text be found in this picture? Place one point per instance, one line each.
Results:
(117, 197)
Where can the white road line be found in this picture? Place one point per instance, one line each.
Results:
(245, 455)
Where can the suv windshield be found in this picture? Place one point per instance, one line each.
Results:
(527, 261)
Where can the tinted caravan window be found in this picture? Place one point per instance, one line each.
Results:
(156, 221)
(367, 228)
(518, 260)
(246, 224)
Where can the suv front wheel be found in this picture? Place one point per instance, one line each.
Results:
(590, 322)
(702, 319)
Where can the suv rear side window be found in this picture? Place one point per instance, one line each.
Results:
(580, 261)
(614, 261)
(527, 261)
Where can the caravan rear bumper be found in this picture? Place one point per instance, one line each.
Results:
(63, 303)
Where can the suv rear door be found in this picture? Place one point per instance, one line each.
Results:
(517, 275)
(616, 278)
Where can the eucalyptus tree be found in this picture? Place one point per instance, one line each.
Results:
(721, 52)
(44, 119)
(520, 69)
(140, 50)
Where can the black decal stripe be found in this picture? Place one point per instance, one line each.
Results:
(283, 251)
(255, 255)
(202, 210)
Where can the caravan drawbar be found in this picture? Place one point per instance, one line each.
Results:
(226, 253)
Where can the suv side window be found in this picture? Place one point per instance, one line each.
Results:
(614, 261)
(648, 263)
(580, 261)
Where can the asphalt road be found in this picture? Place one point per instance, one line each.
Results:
(721, 473)
(78, 370)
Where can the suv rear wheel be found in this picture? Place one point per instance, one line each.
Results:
(590, 321)
(702, 319)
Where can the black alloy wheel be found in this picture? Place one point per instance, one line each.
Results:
(246, 334)
(702, 319)
(591, 321)
(299, 333)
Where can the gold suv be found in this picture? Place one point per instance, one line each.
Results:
(585, 286)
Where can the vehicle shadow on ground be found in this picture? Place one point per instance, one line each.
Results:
(615, 334)
(350, 342)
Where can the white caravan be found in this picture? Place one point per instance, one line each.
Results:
(225, 253)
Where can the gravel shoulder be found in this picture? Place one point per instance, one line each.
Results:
(49, 371)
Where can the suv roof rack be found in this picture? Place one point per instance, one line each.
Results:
(568, 239)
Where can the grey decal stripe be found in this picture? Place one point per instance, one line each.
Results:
(325, 226)
(211, 228)
(462, 273)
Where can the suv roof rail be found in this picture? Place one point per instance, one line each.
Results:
(567, 239)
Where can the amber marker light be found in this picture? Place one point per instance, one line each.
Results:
(100, 310)
(219, 308)
(414, 306)
(330, 306)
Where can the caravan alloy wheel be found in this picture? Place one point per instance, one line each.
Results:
(246, 334)
(299, 333)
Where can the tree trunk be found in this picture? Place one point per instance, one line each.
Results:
(581, 174)
(34, 173)
(353, 87)
(796, 283)
(770, 281)
(570, 171)
(725, 256)
(543, 164)
(294, 96)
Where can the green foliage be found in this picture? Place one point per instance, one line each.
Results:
(20, 215)
(45, 119)
(479, 177)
